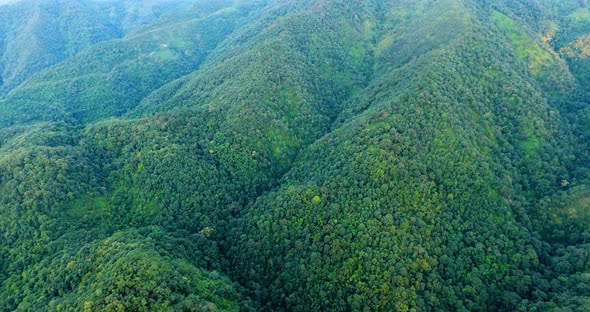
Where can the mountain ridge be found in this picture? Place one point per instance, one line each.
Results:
(305, 155)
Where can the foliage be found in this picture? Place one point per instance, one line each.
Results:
(294, 156)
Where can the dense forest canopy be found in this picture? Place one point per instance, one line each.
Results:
(281, 155)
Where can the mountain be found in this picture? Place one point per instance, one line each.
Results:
(39, 33)
(399, 155)
(112, 77)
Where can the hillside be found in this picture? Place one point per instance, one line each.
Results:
(111, 77)
(39, 33)
(399, 155)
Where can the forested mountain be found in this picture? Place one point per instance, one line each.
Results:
(310, 155)
(39, 33)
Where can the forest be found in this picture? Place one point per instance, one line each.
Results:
(295, 155)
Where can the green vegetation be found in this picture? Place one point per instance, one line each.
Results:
(111, 78)
(39, 33)
(543, 63)
(526, 48)
(580, 15)
(295, 156)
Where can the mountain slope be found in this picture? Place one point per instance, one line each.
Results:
(110, 78)
(35, 35)
(304, 155)
(398, 207)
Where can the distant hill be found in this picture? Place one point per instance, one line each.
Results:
(40, 33)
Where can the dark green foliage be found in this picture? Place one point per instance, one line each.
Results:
(296, 156)
(382, 211)
(137, 270)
